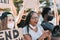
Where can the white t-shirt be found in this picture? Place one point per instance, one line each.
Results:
(53, 21)
(34, 35)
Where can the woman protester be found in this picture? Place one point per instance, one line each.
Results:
(7, 21)
(32, 30)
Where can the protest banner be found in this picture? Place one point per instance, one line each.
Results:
(12, 34)
(8, 4)
(31, 4)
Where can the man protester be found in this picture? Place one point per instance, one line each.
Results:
(47, 16)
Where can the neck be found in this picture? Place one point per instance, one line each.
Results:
(33, 25)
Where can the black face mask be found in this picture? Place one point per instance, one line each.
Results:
(49, 18)
(59, 22)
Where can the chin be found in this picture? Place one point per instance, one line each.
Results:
(35, 24)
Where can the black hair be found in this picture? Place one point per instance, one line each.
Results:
(29, 17)
(27, 21)
(0, 17)
(4, 15)
(22, 23)
(45, 11)
(53, 12)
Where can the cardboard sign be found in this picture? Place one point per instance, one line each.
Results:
(31, 3)
(12, 34)
(4, 4)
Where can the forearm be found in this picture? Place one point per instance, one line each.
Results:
(46, 34)
(49, 37)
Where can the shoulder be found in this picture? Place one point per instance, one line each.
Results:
(25, 27)
(25, 30)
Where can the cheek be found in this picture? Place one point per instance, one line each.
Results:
(10, 21)
(34, 22)
(37, 19)
(31, 21)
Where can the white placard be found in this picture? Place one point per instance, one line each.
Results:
(13, 34)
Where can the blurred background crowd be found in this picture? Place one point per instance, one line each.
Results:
(39, 19)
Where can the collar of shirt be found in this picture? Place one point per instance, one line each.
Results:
(33, 27)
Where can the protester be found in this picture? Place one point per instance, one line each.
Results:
(53, 21)
(33, 31)
(7, 21)
(47, 16)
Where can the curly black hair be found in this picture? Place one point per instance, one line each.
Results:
(27, 21)
(45, 11)
(29, 17)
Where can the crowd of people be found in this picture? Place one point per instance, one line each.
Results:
(34, 27)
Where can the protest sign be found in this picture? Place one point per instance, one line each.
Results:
(12, 34)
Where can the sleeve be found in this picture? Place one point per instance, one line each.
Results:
(25, 31)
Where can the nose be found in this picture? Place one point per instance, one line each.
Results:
(36, 19)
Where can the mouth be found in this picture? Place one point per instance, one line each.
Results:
(35, 22)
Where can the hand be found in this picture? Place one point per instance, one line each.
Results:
(27, 37)
(43, 36)
(46, 34)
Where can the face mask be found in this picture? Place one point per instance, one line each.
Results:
(10, 25)
(49, 18)
(32, 26)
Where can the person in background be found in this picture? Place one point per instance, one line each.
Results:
(7, 21)
(53, 21)
(40, 18)
(33, 31)
(47, 16)
(59, 19)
